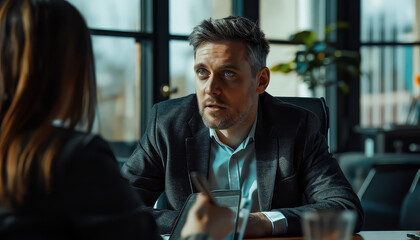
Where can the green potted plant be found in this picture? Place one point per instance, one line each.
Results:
(311, 62)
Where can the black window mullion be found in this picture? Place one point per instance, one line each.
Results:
(345, 109)
(115, 33)
(247, 8)
(380, 44)
(160, 48)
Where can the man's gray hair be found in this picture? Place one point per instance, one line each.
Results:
(233, 28)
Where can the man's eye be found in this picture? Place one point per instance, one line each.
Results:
(201, 72)
(229, 74)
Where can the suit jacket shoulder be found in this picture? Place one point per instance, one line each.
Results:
(177, 116)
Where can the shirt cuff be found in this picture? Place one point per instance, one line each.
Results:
(278, 222)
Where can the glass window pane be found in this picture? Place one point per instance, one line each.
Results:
(281, 18)
(285, 84)
(387, 85)
(110, 14)
(184, 15)
(181, 68)
(118, 82)
(388, 20)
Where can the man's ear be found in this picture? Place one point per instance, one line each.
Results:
(263, 79)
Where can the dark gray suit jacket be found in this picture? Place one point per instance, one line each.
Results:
(295, 171)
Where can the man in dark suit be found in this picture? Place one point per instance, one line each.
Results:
(239, 137)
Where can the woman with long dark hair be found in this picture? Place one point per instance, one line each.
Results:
(56, 181)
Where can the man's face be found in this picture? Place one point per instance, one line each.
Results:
(225, 87)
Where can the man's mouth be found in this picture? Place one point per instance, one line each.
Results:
(215, 107)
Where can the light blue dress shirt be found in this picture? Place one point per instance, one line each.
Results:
(235, 169)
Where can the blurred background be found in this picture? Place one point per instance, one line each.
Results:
(362, 56)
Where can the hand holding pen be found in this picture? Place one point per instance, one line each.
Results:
(205, 216)
(202, 186)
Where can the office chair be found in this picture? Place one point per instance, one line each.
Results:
(317, 106)
(383, 192)
(410, 210)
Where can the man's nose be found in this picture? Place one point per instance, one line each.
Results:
(213, 85)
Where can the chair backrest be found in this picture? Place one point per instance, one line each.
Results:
(316, 105)
(383, 192)
(410, 209)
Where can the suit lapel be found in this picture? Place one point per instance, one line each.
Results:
(266, 152)
(266, 155)
(198, 148)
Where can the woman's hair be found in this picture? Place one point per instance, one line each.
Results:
(46, 73)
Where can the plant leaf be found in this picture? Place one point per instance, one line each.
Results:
(334, 26)
(304, 37)
(283, 67)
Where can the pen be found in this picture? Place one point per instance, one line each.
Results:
(413, 236)
(201, 184)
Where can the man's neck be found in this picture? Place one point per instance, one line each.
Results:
(235, 135)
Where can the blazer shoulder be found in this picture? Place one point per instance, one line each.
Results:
(176, 110)
(181, 102)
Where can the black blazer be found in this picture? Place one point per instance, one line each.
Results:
(295, 171)
(89, 199)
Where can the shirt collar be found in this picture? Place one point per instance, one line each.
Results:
(248, 139)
